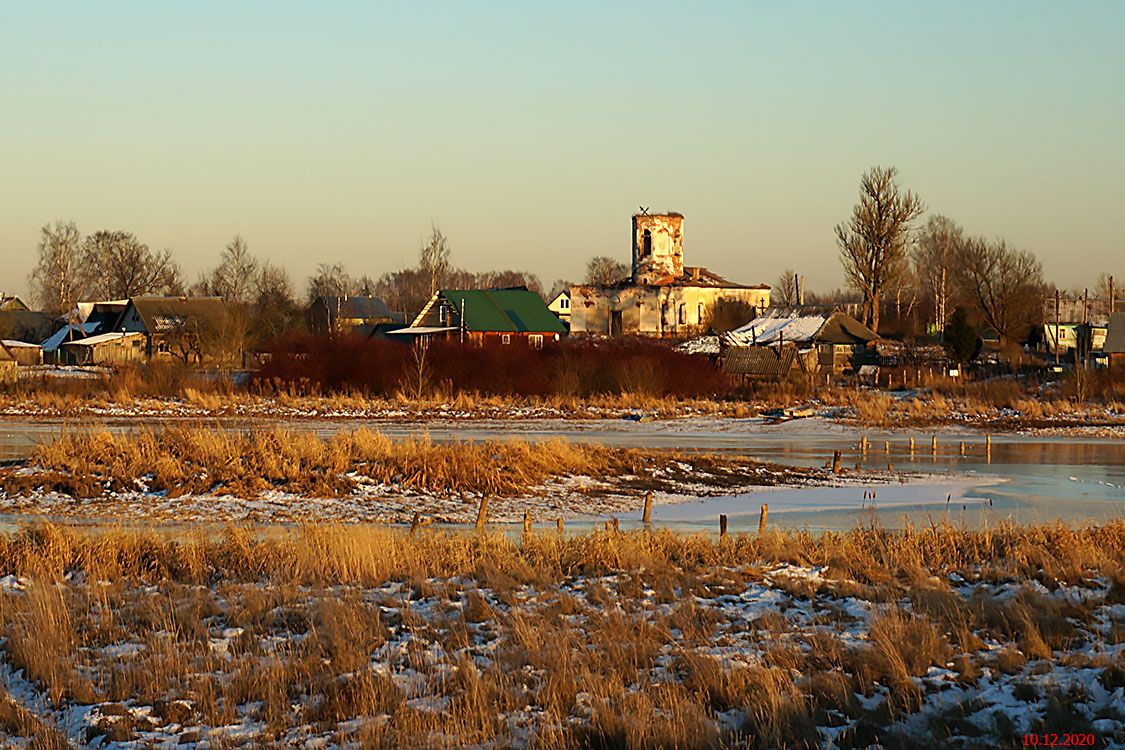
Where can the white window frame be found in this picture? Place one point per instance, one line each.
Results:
(505, 338)
(535, 340)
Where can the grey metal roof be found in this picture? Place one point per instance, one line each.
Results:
(762, 361)
(1115, 334)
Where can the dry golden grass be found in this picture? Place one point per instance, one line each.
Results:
(202, 461)
(577, 628)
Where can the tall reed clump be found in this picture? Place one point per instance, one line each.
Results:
(183, 460)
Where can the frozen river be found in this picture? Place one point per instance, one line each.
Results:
(1025, 479)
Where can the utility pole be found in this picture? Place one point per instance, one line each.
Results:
(1056, 326)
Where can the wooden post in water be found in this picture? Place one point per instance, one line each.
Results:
(887, 446)
(933, 445)
(912, 446)
(559, 525)
(836, 462)
(863, 445)
(763, 517)
(962, 447)
(646, 517)
(722, 526)
(988, 448)
(616, 526)
(482, 513)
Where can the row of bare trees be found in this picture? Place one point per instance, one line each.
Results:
(104, 265)
(883, 251)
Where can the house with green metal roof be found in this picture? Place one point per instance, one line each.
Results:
(504, 316)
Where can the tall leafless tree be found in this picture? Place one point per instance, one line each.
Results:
(57, 281)
(1005, 285)
(235, 277)
(786, 291)
(434, 258)
(934, 256)
(601, 270)
(120, 266)
(330, 280)
(874, 241)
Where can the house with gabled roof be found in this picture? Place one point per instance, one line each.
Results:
(174, 326)
(840, 341)
(503, 316)
(354, 314)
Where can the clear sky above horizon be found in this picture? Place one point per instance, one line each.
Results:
(529, 133)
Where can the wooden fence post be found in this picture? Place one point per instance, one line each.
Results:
(559, 525)
(762, 517)
(647, 516)
(527, 522)
(722, 526)
(482, 513)
(836, 462)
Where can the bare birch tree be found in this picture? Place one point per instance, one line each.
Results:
(874, 241)
(57, 280)
(330, 280)
(235, 276)
(1005, 285)
(934, 256)
(434, 258)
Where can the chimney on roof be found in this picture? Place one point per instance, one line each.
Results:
(800, 290)
(695, 273)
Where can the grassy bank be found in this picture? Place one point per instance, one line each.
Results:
(278, 475)
(937, 637)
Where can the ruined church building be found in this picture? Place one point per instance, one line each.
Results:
(662, 297)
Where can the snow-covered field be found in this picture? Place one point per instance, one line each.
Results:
(768, 654)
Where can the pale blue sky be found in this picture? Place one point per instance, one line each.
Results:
(337, 131)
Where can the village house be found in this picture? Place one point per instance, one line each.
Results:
(560, 306)
(51, 348)
(662, 296)
(21, 324)
(355, 314)
(841, 343)
(503, 316)
(180, 327)
(9, 366)
(1115, 340)
(110, 349)
(12, 303)
(27, 355)
(1075, 327)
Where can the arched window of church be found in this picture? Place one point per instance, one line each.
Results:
(646, 244)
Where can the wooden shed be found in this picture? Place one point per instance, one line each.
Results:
(9, 367)
(105, 349)
(27, 355)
